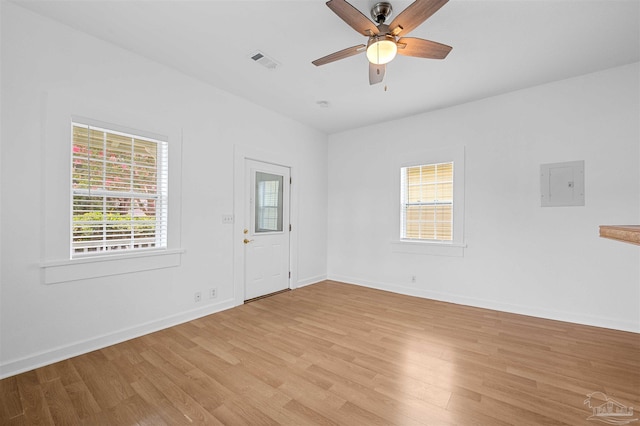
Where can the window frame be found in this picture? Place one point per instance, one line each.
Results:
(436, 202)
(160, 196)
(261, 196)
(454, 247)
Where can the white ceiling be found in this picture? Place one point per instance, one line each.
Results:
(498, 46)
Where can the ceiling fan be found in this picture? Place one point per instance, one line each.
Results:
(385, 41)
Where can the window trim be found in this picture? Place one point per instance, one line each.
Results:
(455, 247)
(111, 264)
(161, 196)
(56, 266)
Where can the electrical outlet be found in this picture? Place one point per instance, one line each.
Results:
(197, 297)
(213, 293)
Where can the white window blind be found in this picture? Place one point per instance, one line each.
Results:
(119, 189)
(268, 202)
(427, 202)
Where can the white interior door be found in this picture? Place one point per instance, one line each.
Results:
(266, 232)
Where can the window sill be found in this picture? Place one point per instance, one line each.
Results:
(428, 248)
(103, 266)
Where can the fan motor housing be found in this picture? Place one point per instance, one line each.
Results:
(381, 11)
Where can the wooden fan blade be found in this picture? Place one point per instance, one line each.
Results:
(376, 73)
(353, 17)
(415, 14)
(344, 53)
(411, 46)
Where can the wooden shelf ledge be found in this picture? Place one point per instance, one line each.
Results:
(625, 233)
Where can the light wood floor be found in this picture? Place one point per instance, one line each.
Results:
(333, 353)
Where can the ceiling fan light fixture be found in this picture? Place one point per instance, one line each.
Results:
(381, 49)
(385, 41)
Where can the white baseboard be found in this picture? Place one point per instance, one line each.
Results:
(572, 317)
(41, 359)
(311, 280)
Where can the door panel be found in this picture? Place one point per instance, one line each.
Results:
(266, 239)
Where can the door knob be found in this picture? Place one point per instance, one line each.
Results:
(247, 241)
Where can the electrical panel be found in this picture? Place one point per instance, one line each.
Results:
(562, 184)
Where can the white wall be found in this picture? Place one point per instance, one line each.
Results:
(48, 71)
(520, 257)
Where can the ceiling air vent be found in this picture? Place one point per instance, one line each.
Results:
(264, 60)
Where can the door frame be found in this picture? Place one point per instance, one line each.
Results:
(240, 154)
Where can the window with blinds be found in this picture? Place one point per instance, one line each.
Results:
(427, 202)
(268, 203)
(119, 189)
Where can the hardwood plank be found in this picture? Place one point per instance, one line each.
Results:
(67, 372)
(306, 414)
(15, 421)
(82, 400)
(185, 403)
(178, 379)
(47, 373)
(240, 411)
(97, 419)
(135, 410)
(360, 416)
(102, 379)
(59, 403)
(338, 354)
(154, 398)
(36, 409)
(10, 403)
